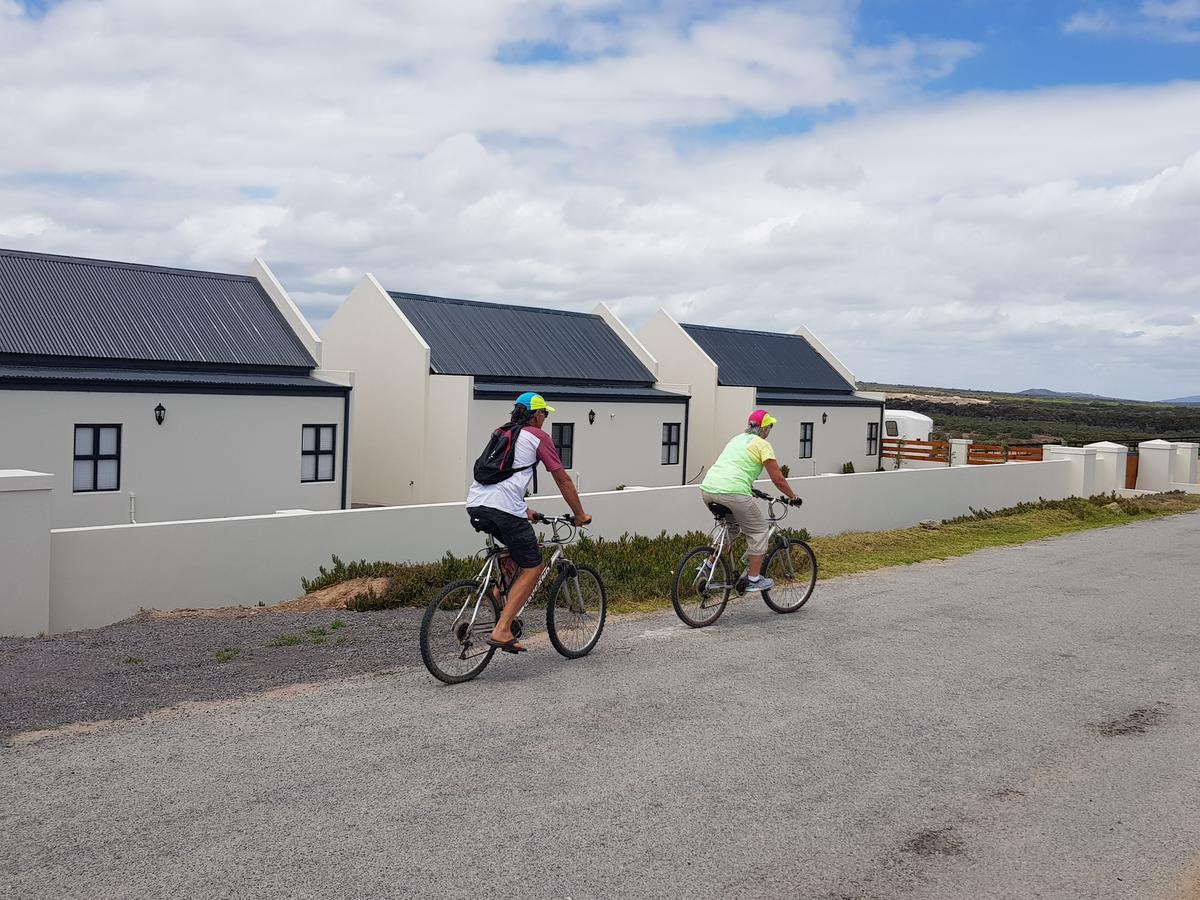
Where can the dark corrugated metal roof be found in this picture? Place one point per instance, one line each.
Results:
(552, 392)
(88, 378)
(766, 359)
(466, 337)
(813, 398)
(63, 306)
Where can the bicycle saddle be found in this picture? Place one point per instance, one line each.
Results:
(719, 510)
(486, 527)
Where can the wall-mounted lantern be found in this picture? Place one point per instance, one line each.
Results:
(591, 417)
(160, 414)
(824, 418)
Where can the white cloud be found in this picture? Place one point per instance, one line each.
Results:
(993, 240)
(1172, 21)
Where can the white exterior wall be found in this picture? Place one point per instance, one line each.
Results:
(25, 552)
(214, 455)
(371, 337)
(99, 575)
(842, 438)
(450, 449)
(681, 361)
(624, 446)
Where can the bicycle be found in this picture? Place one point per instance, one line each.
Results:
(459, 620)
(703, 580)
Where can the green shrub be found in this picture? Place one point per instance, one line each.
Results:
(786, 470)
(635, 569)
(847, 468)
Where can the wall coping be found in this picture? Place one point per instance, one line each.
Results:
(25, 480)
(1069, 451)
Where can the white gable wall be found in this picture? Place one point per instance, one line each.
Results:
(288, 309)
(449, 451)
(214, 455)
(371, 337)
(681, 361)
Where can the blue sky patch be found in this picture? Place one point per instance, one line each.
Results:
(1023, 46)
(257, 192)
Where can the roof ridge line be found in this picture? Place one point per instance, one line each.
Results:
(120, 264)
(789, 334)
(488, 304)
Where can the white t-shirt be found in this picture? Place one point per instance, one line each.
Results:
(533, 446)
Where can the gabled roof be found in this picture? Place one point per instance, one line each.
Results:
(120, 313)
(521, 343)
(767, 359)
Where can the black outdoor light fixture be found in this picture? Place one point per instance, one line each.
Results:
(160, 414)
(824, 418)
(591, 417)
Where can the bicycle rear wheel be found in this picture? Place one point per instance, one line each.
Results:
(792, 565)
(576, 610)
(453, 648)
(701, 586)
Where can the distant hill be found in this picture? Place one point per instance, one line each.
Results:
(1183, 401)
(1046, 392)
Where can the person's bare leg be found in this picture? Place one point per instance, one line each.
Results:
(756, 565)
(522, 587)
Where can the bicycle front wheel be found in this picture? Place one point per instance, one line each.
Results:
(793, 567)
(576, 610)
(453, 648)
(701, 587)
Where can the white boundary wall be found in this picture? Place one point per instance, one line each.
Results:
(24, 551)
(99, 575)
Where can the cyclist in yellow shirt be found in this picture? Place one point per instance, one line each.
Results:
(730, 482)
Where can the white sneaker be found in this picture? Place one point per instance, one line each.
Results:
(759, 584)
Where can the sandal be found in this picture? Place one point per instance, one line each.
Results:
(510, 646)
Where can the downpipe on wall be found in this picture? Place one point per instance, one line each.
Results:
(132, 508)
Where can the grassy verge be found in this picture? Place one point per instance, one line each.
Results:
(637, 570)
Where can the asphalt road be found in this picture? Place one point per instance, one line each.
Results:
(1022, 722)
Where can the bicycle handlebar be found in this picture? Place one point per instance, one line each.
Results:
(540, 519)
(790, 501)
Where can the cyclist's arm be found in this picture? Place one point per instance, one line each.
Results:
(776, 475)
(567, 488)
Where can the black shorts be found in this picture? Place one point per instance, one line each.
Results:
(514, 532)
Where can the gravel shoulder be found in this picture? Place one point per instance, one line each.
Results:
(143, 664)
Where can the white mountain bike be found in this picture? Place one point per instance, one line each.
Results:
(459, 620)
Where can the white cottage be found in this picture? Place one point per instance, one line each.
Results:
(434, 376)
(824, 421)
(154, 394)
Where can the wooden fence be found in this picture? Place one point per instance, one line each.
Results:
(991, 454)
(939, 452)
(917, 451)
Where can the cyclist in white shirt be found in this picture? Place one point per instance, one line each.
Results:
(502, 506)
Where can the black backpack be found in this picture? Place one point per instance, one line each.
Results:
(495, 464)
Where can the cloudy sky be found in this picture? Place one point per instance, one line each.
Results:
(988, 193)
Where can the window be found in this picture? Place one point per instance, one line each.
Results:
(316, 452)
(563, 436)
(806, 434)
(872, 439)
(890, 429)
(97, 458)
(670, 443)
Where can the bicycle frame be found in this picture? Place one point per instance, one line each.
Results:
(495, 551)
(726, 532)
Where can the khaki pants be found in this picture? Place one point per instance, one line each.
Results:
(749, 517)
